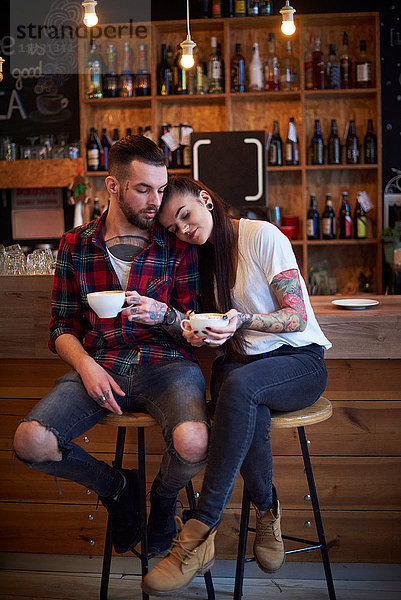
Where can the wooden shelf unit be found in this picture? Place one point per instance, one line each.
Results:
(288, 187)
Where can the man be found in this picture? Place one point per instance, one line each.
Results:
(135, 361)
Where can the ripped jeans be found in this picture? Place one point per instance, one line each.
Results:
(173, 392)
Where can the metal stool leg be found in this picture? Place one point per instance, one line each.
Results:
(142, 504)
(108, 547)
(208, 576)
(316, 512)
(243, 535)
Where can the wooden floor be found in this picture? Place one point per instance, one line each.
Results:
(64, 580)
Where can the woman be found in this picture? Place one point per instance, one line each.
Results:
(273, 360)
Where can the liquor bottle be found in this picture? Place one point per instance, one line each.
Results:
(328, 220)
(126, 77)
(359, 221)
(333, 69)
(255, 70)
(223, 71)
(252, 8)
(128, 132)
(318, 69)
(370, 145)
(237, 71)
(196, 75)
(166, 150)
(92, 152)
(317, 145)
(106, 145)
(176, 155)
(275, 152)
(94, 88)
(308, 63)
(228, 8)
(116, 136)
(148, 133)
(265, 8)
(217, 9)
(205, 9)
(352, 145)
(185, 141)
(180, 75)
(240, 8)
(345, 219)
(312, 220)
(142, 78)
(363, 68)
(96, 212)
(271, 67)
(139, 131)
(291, 145)
(164, 74)
(110, 79)
(289, 71)
(345, 65)
(214, 69)
(334, 145)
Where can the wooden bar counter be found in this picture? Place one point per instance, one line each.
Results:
(356, 455)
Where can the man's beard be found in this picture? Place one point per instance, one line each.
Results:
(134, 218)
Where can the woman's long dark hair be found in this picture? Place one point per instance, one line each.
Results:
(217, 261)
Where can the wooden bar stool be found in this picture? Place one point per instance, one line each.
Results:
(319, 411)
(138, 421)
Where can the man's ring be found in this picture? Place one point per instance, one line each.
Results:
(102, 399)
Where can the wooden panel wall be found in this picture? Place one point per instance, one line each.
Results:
(355, 455)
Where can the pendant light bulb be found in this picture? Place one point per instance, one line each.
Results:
(1, 68)
(187, 56)
(90, 16)
(288, 25)
(187, 46)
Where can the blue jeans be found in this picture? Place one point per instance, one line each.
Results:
(172, 392)
(285, 379)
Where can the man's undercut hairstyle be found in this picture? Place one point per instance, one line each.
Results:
(135, 147)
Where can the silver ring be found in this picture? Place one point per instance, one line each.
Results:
(102, 399)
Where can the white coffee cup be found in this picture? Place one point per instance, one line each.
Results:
(200, 321)
(106, 304)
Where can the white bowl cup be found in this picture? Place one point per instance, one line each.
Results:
(200, 321)
(106, 304)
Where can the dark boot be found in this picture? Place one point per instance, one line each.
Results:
(162, 527)
(124, 513)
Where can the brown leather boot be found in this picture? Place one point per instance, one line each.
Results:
(192, 554)
(268, 546)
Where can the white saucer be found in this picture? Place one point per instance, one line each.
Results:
(355, 303)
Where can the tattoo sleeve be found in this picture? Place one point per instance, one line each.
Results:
(175, 330)
(290, 317)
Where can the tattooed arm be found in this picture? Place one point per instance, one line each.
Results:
(290, 317)
(149, 311)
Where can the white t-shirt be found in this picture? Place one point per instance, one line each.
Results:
(263, 252)
(122, 268)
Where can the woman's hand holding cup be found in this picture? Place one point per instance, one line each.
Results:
(211, 329)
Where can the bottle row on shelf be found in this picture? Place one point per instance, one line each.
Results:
(235, 8)
(176, 144)
(97, 148)
(319, 153)
(104, 78)
(336, 72)
(346, 226)
(175, 141)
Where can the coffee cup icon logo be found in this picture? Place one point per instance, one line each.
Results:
(51, 104)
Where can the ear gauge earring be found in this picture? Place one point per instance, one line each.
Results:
(209, 205)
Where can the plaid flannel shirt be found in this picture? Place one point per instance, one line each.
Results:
(166, 270)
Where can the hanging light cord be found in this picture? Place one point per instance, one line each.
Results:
(189, 33)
